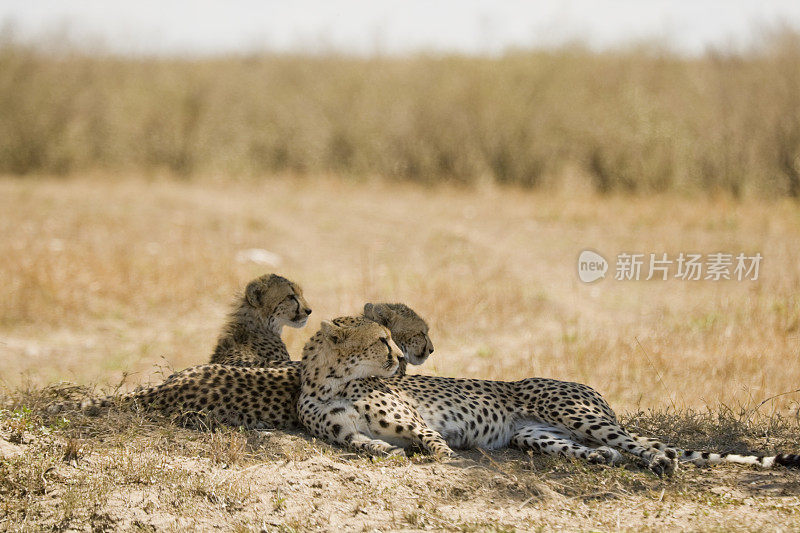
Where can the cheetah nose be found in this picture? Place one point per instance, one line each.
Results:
(308, 311)
(431, 350)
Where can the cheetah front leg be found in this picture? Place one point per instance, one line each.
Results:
(431, 441)
(341, 424)
(550, 440)
(408, 426)
(364, 444)
(657, 445)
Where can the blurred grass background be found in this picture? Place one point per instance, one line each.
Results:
(640, 120)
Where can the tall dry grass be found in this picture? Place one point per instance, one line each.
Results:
(639, 120)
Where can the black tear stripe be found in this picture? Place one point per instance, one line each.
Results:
(386, 343)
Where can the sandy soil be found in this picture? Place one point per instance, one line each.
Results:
(173, 479)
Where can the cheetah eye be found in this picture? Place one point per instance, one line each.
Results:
(418, 338)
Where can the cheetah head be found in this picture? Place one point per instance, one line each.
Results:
(409, 330)
(276, 298)
(362, 350)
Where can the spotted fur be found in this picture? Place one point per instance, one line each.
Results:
(543, 415)
(252, 397)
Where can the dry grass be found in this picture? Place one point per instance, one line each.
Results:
(103, 278)
(635, 120)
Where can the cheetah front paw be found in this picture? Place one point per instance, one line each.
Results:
(443, 454)
(395, 451)
(604, 456)
(661, 465)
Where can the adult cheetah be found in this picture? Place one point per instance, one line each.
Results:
(252, 335)
(255, 397)
(337, 405)
(383, 411)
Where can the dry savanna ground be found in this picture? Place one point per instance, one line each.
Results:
(107, 284)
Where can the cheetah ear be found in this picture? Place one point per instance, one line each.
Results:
(380, 313)
(254, 293)
(369, 311)
(333, 332)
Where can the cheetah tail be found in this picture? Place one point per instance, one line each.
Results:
(93, 406)
(789, 460)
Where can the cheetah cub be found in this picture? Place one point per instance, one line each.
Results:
(250, 338)
(252, 335)
(343, 400)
